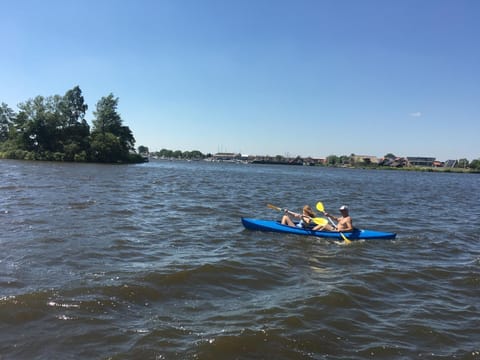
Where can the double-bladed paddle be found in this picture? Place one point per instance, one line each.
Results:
(322, 210)
(316, 220)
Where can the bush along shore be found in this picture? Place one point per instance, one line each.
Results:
(54, 128)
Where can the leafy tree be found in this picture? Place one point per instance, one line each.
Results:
(165, 153)
(73, 107)
(195, 154)
(475, 164)
(462, 163)
(177, 154)
(110, 140)
(107, 148)
(75, 130)
(7, 117)
(389, 156)
(142, 149)
(332, 160)
(107, 117)
(37, 124)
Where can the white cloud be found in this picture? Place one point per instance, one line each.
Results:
(416, 114)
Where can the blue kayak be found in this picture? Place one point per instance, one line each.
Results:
(276, 226)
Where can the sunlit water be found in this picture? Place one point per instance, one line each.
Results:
(151, 262)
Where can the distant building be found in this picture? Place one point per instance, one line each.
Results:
(420, 161)
(226, 156)
(393, 162)
(366, 159)
(450, 163)
(313, 161)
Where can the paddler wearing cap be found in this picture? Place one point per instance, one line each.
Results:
(344, 222)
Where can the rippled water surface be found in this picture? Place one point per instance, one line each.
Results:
(151, 262)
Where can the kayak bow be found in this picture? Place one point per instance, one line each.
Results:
(276, 226)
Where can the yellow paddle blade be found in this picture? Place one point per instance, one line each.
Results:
(345, 239)
(274, 207)
(320, 221)
(320, 207)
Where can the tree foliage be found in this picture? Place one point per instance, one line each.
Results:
(475, 164)
(55, 128)
(143, 150)
(7, 116)
(111, 141)
(177, 154)
(332, 160)
(462, 163)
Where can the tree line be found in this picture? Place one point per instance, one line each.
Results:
(55, 128)
(175, 154)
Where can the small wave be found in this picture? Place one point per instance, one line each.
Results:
(63, 305)
(226, 274)
(81, 205)
(11, 187)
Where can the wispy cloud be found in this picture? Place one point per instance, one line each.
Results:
(416, 114)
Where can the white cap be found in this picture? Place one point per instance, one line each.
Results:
(344, 207)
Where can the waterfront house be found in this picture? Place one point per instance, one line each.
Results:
(420, 161)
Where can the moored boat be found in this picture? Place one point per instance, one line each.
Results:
(276, 226)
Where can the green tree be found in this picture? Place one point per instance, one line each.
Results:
(73, 107)
(177, 154)
(107, 119)
(332, 160)
(110, 140)
(475, 164)
(165, 153)
(142, 149)
(37, 125)
(462, 163)
(75, 130)
(7, 117)
(195, 154)
(106, 148)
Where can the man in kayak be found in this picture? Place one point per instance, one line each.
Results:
(344, 222)
(305, 218)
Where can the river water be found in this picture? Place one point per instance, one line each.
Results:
(151, 261)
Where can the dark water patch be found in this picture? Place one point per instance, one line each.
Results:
(10, 188)
(10, 283)
(24, 308)
(81, 204)
(251, 344)
(52, 240)
(218, 277)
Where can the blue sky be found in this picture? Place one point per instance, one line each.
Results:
(260, 77)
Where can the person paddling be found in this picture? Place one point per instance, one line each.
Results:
(344, 222)
(305, 218)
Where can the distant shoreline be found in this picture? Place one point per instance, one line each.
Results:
(363, 167)
(265, 162)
